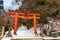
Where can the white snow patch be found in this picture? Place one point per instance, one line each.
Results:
(5, 38)
(23, 32)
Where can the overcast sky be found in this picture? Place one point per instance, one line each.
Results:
(11, 4)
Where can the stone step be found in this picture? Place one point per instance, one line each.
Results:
(28, 39)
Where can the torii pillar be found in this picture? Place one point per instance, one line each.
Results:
(16, 23)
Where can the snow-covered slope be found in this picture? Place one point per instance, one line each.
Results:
(22, 32)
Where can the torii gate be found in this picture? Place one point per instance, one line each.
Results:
(24, 15)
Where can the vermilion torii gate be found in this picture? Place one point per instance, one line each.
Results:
(24, 15)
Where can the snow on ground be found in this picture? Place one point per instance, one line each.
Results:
(22, 32)
(5, 38)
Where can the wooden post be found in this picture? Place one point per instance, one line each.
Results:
(35, 28)
(16, 23)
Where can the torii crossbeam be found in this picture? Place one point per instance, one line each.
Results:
(24, 15)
